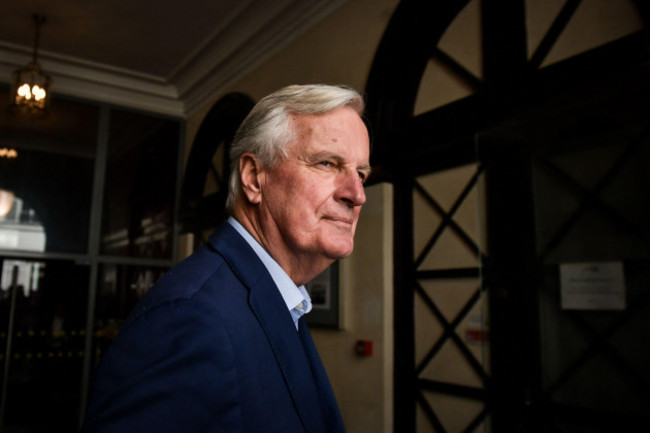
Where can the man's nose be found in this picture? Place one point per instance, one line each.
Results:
(350, 189)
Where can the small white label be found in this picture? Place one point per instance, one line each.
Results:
(592, 286)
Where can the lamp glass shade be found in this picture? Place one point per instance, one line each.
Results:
(30, 89)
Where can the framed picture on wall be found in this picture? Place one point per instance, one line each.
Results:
(324, 293)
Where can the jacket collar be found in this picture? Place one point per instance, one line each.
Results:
(293, 357)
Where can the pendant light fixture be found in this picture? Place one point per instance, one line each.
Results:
(30, 84)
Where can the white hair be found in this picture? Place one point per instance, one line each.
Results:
(268, 128)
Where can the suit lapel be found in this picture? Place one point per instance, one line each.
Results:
(291, 358)
(274, 318)
(330, 408)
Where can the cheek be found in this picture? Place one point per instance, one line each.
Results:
(283, 192)
(310, 197)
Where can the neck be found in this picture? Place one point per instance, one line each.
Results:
(300, 268)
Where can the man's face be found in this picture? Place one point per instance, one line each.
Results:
(311, 200)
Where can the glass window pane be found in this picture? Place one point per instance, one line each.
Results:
(47, 343)
(119, 288)
(140, 185)
(46, 176)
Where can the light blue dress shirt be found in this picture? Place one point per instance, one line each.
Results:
(297, 299)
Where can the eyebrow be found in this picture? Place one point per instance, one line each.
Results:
(365, 168)
(324, 155)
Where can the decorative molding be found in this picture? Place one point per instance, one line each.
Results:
(250, 36)
(277, 32)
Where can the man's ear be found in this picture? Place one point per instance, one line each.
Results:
(250, 174)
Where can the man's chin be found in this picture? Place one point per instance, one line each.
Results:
(339, 251)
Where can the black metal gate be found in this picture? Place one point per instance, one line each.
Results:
(552, 163)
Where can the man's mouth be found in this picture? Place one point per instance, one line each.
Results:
(344, 221)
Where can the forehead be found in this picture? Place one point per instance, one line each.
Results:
(340, 129)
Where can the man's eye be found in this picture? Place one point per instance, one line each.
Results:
(325, 163)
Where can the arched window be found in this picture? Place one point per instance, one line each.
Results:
(205, 185)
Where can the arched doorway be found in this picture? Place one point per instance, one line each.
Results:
(205, 185)
(497, 192)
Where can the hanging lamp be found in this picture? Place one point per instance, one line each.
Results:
(30, 84)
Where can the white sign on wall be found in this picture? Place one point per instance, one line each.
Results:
(592, 286)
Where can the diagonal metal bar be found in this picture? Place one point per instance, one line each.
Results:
(456, 68)
(448, 329)
(469, 392)
(449, 332)
(590, 197)
(448, 218)
(430, 414)
(551, 37)
(598, 344)
(477, 421)
(433, 386)
(435, 274)
(634, 378)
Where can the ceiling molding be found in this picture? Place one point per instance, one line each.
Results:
(97, 82)
(217, 68)
(250, 36)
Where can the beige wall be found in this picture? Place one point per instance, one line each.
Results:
(340, 50)
(363, 385)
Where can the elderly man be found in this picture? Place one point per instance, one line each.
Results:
(219, 343)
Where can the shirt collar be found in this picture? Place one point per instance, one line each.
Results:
(292, 295)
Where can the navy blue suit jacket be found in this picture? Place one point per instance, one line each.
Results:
(212, 348)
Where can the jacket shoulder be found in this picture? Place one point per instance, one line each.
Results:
(222, 264)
